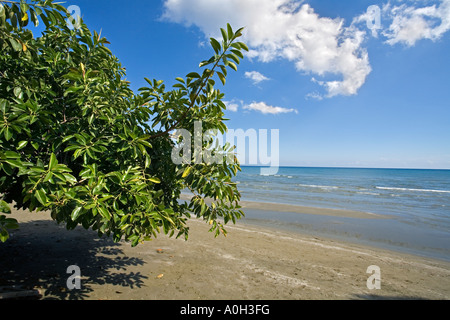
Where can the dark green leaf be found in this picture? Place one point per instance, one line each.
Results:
(53, 162)
(4, 207)
(216, 45)
(193, 75)
(4, 235)
(230, 32)
(15, 44)
(8, 133)
(224, 35)
(222, 77)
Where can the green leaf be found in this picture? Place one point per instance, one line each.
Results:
(48, 176)
(222, 77)
(7, 133)
(24, 7)
(104, 212)
(4, 207)
(34, 17)
(67, 138)
(193, 75)
(154, 180)
(242, 45)
(16, 45)
(53, 162)
(224, 35)
(10, 223)
(2, 12)
(22, 144)
(232, 65)
(230, 32)
(76, 213)
(186, 172)
(70, 178)
(35, 145)
(148, 161)
(4, 235)
(204, 63)
(15, 163)
(216, 45)
(238, 33)
(41, 196)
(238, 53)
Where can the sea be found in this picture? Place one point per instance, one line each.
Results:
(414, 202)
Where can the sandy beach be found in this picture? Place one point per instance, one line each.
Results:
(251, 263)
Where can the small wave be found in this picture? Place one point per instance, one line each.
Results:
(316, 186)
(370, 193)
(283, 175)
(415, 190)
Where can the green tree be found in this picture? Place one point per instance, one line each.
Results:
(78, 142)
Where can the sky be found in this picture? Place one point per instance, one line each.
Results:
(346, 83)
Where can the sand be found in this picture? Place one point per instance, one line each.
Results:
(251, 263)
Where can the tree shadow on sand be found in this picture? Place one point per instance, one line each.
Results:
(38, 254)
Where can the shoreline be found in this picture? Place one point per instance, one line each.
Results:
(251, 263)
(373, 229)
(283, 207)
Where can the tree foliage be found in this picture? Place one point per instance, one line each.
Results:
(78, 142)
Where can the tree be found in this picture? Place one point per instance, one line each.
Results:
(78, 142)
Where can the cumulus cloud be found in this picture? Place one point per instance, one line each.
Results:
(256, 77)
(411, 23)
(407, 22)
(317, 46)
(266, 109)
(285, 29)
(232, 106)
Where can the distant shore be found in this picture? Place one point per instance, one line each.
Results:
(250, 263)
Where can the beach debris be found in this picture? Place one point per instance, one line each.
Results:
(159, 250)
(159, 276)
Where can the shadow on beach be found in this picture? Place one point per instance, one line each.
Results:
(386, 297)
(38, 254)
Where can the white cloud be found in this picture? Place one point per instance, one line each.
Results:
(285, 29)
(314, 95)
(256, 77)
(411, 24)
(317, 46)
(266, 109)
(408, 21)
(232, 106)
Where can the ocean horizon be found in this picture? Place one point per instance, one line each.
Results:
(415, 202)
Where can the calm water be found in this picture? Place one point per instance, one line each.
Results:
(418, 202)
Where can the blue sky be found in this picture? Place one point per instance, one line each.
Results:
(341, 93)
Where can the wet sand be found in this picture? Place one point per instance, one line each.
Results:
(278, 207)
(251, 263)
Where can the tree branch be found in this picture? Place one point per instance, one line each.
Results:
(184, 115)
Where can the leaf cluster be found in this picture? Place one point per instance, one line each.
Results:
(75, 140)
